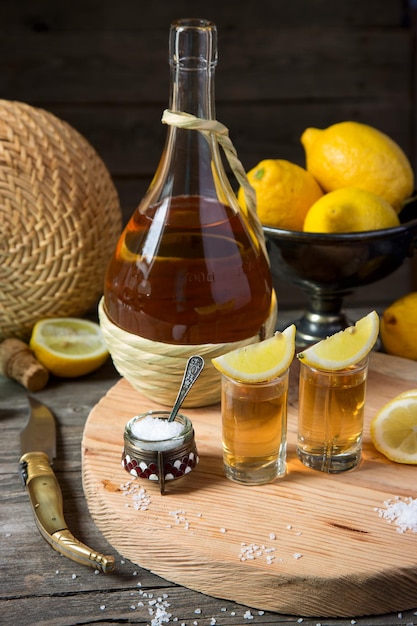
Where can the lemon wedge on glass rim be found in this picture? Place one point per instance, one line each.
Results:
(345, 348)
(259, 362)
(394, 428)
(68, 346)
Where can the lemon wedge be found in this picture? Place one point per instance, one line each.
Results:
(345, 348)
(68, 347)
(259, 362)
(394, 429)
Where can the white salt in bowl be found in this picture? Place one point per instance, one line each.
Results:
(158, 450)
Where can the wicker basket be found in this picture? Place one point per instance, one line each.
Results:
(60, 219)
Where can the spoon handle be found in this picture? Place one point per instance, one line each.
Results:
(192, 371)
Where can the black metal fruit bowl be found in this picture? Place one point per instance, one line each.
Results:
(328, 267)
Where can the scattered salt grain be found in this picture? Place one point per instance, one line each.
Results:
(159, 431)
(74, 576)
(102, 607)
(272, 536)
(297, 555)
(140, 499)
(222, 530)
(251, 551)
(300, 620)
(180, 518)
(247, 615)
(401, 511)
(197, 611)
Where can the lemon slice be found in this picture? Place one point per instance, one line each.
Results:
(68, 347)
(394, 429)
(411, 393)
(259, 362)
(345, 348)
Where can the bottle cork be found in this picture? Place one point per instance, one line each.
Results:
(18, 362)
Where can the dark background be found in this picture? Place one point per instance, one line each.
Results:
(283, 66)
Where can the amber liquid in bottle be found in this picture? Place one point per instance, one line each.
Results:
(205, 281)
(188, 268)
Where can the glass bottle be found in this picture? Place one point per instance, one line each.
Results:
(188, 268)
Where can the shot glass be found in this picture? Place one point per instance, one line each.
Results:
(254, 429)
(330, 417)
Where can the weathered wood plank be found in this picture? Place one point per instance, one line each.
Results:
(130, 139)
(132, 15)
(270, 63)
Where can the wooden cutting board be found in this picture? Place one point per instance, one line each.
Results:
(315, 545)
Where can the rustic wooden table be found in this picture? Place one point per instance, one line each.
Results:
(39, 586)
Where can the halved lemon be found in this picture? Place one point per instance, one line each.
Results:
(259, 362)
(394, 429)
(68, 346)
(345, 348)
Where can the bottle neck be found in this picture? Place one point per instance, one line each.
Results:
(192, 91)
(192, 59)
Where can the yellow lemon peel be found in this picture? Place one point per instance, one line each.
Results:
(394, 428)
(284, 193)
(68, 347)
(399, 327)
(259, 362)
(349, 210)
(345, 348)
(351, 154)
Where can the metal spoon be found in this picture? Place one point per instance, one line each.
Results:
(192, 371)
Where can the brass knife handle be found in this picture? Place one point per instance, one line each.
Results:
(46, 499)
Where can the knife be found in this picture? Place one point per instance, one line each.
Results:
(38, 447)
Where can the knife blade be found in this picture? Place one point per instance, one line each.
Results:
(38, 448)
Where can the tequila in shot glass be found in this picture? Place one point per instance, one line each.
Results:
(254, 429)
(330, 416)
(331, 403)
(254, 408)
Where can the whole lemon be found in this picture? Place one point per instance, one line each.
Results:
(349, 210)
(399, 327)
(284, 193)
(351, 154)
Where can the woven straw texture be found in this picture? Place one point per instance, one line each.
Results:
(60, 219)
(156, 369)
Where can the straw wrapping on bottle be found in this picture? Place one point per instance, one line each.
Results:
(155, 368)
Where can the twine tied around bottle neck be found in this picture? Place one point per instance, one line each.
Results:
(213, 127)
